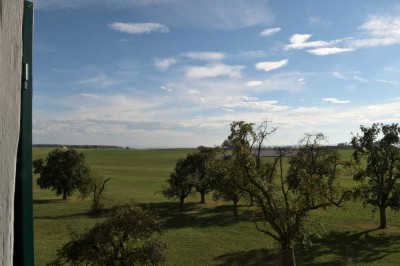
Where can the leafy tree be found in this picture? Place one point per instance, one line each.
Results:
(126, 237)
(284, 201)
(227, 184)
(181, 181)
(63, 171)
(203, 179)
(380, 177)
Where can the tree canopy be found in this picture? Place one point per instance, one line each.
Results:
(380, 177)
(127, 237)
(63, 171)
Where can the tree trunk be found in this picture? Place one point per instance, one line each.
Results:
(382, 215)
(235, 208)
(288, 258)
(181, 204)
(64, 195)
(203, 197)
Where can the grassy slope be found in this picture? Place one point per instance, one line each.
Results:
(207, 234)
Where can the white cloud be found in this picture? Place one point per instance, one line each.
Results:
(89, 95)
(380, 31)
(254, 83)
(268, 66)
(339, 75)
(334, 101)
(166, 88)
(299, 41)
(259, 105)
(329, 51)
(360, 79)
(388, 81)
(101, 81)
(270, 31)
(207, 56)
(214, 70)
(164, 64)
(138, 28)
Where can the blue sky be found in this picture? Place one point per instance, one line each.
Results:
(176, 73)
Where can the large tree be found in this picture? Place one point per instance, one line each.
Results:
(379, 175)
(63, 170)
(284, 200)
(127, 237)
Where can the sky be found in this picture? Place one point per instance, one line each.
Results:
(176, 73)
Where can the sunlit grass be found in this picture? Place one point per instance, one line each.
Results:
(207, 234)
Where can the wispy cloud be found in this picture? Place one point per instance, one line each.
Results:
(318, 22)
(271, 65)
(165, 88)
(90, 95)
(334, 101)
(360, 79)
(207, 56)
(380, 31)
(164, 64)
(101, 81)
(138, 28)
(254, 83)
(387, 81)
(270, 31)
(329, 51)
(214, 70)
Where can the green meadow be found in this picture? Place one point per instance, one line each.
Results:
(207, 234)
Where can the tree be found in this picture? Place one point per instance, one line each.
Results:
(127, 237)
(227, 182)
(181, 181)
(63, 171)
(95, 184)
(284, 201)
(380, 177)
(203, 179)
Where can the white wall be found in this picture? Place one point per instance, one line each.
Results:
(11, 13)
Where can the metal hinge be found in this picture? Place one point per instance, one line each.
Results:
(25, 75)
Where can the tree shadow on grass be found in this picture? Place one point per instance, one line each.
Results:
(349, 248)
(195, 216)
(45, 201)
(253, 257)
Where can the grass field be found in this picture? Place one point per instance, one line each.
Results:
(207, 234)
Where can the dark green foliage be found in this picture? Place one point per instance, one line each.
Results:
(126, 237)
(202, 162)
(95, 185)
(380, 185)
(180, 182)
(63, 171)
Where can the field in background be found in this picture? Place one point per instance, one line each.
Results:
(206, 234)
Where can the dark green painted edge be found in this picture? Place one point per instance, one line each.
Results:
(23, 203)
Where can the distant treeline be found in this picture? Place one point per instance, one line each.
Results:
(77, 146)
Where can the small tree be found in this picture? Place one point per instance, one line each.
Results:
(380, 178)
(126, 237)
(63, 171)
(94, 184)
(180, 182)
